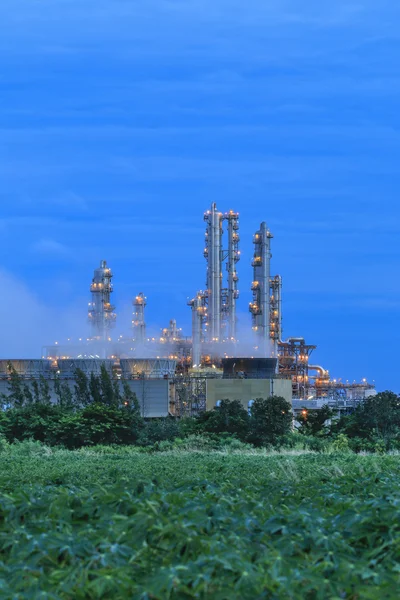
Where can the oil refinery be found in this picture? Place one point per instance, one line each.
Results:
(177, 374)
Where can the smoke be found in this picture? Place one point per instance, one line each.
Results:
(247, 345)
(27, 323)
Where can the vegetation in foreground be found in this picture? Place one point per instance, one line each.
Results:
(228, 505)
(116, 523)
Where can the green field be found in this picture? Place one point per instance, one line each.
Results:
(122, 524)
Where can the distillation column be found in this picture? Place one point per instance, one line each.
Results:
(198, 315)
(139, 322)
(101, 312)
(260, 307)
(213, 254)
(276, 313)
(233, 258)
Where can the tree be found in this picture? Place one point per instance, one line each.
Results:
(106, 386)
(16, 395)
(34, 421)
(130, 399)
(82, 395)
(28, 394)
(95, 388)
(116, 392)
(98, 424)
(63, 393)
(313, 422)
(45, 396)
(270, 420)
(36, 391)
(229, 417)
(378, 417)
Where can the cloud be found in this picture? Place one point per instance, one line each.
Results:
(51, 248)
(29, 322)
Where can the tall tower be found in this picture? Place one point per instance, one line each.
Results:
(260, 307)
(138, 322)
(198, 316)
(101, 312)
(233, 256)
(213, 254)
(275, 313)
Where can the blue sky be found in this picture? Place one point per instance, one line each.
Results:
(121, 121)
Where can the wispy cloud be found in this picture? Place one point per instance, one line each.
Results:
(49, 247)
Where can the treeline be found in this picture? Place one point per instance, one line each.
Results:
(95, 410)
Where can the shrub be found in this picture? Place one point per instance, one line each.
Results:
(341, 443)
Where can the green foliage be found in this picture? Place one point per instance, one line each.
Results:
(15, 388)
(376, 420)
(98, 424)
(95, 388)
(82, 395)
(159, 430)
(341, 443)
(230, 417)
(114, 524)
(270, 421)
(106, 387)
(313, 421)
(33, 421)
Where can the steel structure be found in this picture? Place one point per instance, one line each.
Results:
(139, 322)
(199, 312)
(294, 357)
(220, 300)
(152, 368)
(233, 257)
(260, 306)
(27, 369)
(189, 395)
(275, 326)
(101, 311)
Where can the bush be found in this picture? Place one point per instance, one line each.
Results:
(316, 444)
(270, 421)
(159, 430)
(341, 443)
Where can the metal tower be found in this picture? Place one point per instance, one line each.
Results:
(199, 312)
(260, 307)
(275, 313)
(221, 301)
(138, 322)
(101, 312)
(213, 254)
(233, 256)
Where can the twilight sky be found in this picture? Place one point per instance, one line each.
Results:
(122, 120)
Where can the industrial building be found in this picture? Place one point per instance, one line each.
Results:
(187, 374)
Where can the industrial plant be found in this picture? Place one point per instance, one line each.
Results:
(182, 375)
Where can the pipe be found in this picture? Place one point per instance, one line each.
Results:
(324, 373)
(214, 271)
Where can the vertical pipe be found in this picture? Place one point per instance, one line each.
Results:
(214, 275)
(260, 307)
(197, 305)
(265, 272)
(139, 322)
(101, 312)
(233, 258)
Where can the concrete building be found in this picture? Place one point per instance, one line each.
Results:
(246, 390)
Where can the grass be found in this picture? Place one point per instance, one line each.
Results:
(118, 524)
